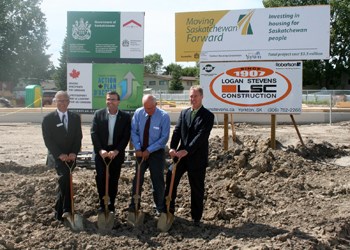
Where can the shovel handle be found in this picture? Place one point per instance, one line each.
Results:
(138, 180)
(168, 198)
(106, 197)
(70, 167)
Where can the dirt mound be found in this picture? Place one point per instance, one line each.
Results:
(319, 151)
(256, 198)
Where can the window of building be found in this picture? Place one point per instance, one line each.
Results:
(162, 82)
(152, 83)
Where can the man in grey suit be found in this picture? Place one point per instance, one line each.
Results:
(110, 134)
(62, 136)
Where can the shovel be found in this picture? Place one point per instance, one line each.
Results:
(166, 219)
(136, 218)
(105, 221)
(75, 221)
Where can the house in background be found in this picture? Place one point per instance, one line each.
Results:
(162, 82)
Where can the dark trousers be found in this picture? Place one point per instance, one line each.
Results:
(63, 201)
(196, 177)
(114, 174)
(155, 163)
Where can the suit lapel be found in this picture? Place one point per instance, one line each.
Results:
(115, 124)
(188, 117)
(57, 118)
(105, 122)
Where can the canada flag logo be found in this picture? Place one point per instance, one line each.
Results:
(74, 74)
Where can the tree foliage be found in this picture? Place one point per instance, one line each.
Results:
(176, 82)
(327, 72)
(153, 63)
(60, 75)
(171, 68)
(191, 71)
(23, 40)
(280, 3)
(187, 71)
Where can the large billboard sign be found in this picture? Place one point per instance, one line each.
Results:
(288, 33)
(109, 36)
(252, 87)
(88, 84)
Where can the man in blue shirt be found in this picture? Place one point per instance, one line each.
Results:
(150, 128)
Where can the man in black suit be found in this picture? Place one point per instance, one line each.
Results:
(110, 134)
(192, 130)
(62, 136)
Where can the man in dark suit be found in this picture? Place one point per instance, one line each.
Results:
(192, 130)
(62, 136)
(110, 134)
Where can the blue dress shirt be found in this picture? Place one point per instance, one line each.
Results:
(158, 132)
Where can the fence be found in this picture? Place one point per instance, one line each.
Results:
(321, 97)
(325, 97)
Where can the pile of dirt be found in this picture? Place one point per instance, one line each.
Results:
(256, 198)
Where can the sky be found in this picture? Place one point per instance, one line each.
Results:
(159, 36)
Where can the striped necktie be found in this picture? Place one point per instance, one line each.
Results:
(64, 121)
(146, 134)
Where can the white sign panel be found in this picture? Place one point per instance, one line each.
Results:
(79, 85)
(131, 34)
(288, 33)
(252, 87)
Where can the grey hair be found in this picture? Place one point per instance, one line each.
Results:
(149, 97)
(61, 93)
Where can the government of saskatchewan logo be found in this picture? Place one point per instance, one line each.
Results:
(125, 43)
(81, 30)
(244, 23)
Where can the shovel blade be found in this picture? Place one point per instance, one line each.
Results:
(165, 221)
(136, 218)
(76, 222)
(105, 221)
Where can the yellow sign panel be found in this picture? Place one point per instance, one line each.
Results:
(192, 30)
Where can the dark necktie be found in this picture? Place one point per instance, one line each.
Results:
(64, 122)
(146, 134)
(193, 115)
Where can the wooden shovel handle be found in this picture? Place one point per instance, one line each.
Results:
(106, 197)
(70, 167)
(173, 172)
(138, 180)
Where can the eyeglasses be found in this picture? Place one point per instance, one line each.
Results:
(61, 101)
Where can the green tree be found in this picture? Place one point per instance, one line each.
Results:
(176, 82)
(187, 71)
(60, 76)
(191, 71)
(23, 40)
(327, 72)
(153, 63)
(340, 37)
(169, 70)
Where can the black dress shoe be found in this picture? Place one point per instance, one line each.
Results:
(196, 223)
(101, 210)
(65, 215)
(111, 208)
